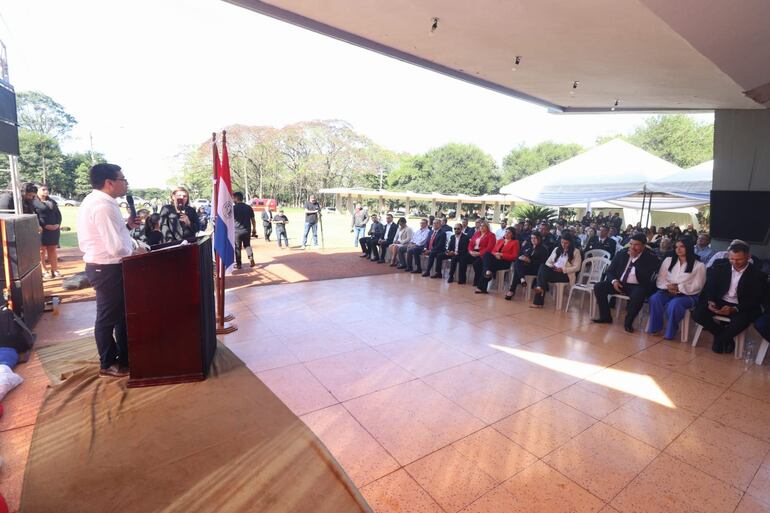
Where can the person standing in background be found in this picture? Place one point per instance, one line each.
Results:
(280, 227)
(49, 217)
(312, 213)
(267, 222)
(360, 218)
(245, 228)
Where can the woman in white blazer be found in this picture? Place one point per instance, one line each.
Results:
(561, 267)
(680, 279)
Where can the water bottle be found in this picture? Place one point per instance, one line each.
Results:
(55, 305)
(748, 354)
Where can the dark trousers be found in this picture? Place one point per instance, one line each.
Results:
(520, 270)
(433, 258)
(462, 261)
(440, 262)
(723, 333)
(268, 230)
(110, 324)
(366, 245)
(242, 240)
(546, 275)
(379, 250)
(280, 232)
(413, 258)
(637, 294)
(491, 264)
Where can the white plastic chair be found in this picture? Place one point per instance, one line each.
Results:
(500, 277)
(529, 279)
(594, 253)
(591, 272)
(740, 338)
(762, 351)
(684, 326)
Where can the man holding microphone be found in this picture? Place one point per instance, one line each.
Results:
(104, 239)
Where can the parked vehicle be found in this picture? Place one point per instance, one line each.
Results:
(260, 204)
(64, 202)
(138, 202)
(201, 202)
(330, 210)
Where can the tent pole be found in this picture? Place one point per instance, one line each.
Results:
(644, 198)
(649, 210)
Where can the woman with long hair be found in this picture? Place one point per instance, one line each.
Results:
(532, 255)
(49, 217)
(561, 267)
(680, 280)
(482, 242)
(500, 258)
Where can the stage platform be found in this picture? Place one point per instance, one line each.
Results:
(435, 399)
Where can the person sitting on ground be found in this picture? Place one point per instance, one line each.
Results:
(532, 255)
(630, 273)
(456, 251)
(703, 249)
(680, 280)
(735, 289)
(500, 232)
(178, 220)
(435, 247)
(376, 232)
(280, 221)
(561, 267)
(504, 253)
(603, 242)
(482, 242)
(412, 250)
(381, 245)
(152, 233)
(403, 235)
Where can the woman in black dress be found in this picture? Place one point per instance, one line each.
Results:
(49, 217)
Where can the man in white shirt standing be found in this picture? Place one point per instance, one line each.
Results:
(103, 237)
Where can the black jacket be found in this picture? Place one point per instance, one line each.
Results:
(537, 254)
(47, 211)
(439, 245)
(463, 248)
(609, 245)
(469, 231)
(752, 286)
(172, 229)
(646, 266)
(391, 233)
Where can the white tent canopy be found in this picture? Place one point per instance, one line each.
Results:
(694, 183)
(613, 170)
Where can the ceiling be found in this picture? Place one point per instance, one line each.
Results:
(648, 55)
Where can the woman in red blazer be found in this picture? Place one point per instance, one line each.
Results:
(482, 242)
(503, 254)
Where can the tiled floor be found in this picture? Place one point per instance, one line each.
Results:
(438, 400)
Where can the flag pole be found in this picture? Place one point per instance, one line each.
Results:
(219, 281)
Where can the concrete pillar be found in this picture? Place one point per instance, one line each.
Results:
(337, 204)
(382, 205)
(433, 207)
(459, 210)
(406, 209)
(350, 203)
(483, 212)
(497, 212)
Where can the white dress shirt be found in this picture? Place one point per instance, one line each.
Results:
(500, 233)
(732, 293)
(420, 237)
(688, 283)
(102, 233)
(387, 227)
(631, 275)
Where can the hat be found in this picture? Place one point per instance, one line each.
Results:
(640, 237)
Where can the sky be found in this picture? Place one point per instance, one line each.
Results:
(147, 79)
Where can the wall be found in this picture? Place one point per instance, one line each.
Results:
(742, 156)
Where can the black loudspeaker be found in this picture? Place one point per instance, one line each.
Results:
(26, 274)
(9, 130)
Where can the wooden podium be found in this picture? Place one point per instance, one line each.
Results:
(170, 320)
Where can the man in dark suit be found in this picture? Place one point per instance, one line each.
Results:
(470, 230)
(630, 273)
(436, 246)
(735, 288)
(456, 250)
(603, 241)
(379, 249)
(376, 232)
(267, 222)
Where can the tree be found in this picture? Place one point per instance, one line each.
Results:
(75, 167)
(461, 168)
(40, 160)
(523, 161)
(534, 213)
(39, 113)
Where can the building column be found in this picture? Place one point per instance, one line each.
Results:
(497, 213)
(406, 209)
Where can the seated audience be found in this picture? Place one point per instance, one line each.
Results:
(549, 240)
(411, 251)
(500, 232)
(456, 251)
(561, 267)
(723, 255)
(680, 279)
(532, 255)
(703, 249)
(665, 248)
(436, 246)
(482, 242)
(630, 273)
(404, 234)
(734, 289)
(503, 254)
(380, 246)
(603, 242)
(374, 235)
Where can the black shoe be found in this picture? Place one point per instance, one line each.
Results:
(717, 348)
(602, 321)
(628, 328)
(425, 274)
(479, 291)
(508, 298)
(237, 266)
(436, 276)
(730, 347)
(461, 283)
(364, 255)
(416, 271)
(451, 279)
(380, 261)
(400, 267)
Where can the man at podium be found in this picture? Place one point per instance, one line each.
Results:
(104, 239)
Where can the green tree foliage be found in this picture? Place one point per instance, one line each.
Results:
(39, 113)
(451, 169)
(41, 159)
(75, 167)
(534, 213)
(524, 161)
(677, 138)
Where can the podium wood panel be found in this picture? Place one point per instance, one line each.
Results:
(169, 314)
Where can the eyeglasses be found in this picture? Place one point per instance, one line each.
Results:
(120, 180)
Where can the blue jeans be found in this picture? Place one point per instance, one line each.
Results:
(672, 308)
(308, 226)
(360, 231)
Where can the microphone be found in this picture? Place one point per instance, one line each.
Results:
(131, 206)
